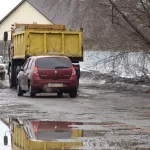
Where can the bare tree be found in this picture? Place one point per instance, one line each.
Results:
(115, 25)
(109, 21)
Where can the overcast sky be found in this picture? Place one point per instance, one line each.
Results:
(6, 6)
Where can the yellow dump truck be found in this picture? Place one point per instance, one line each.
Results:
(38, 40)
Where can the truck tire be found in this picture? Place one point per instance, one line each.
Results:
(78, 83)
(12, 77)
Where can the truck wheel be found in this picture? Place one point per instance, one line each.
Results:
(12, 77)
(77, 83)
(73, 94)
(19, 91)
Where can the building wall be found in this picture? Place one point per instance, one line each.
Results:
(26, 13)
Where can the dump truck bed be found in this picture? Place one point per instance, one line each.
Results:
(36, 40)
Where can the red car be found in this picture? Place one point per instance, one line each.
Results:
(47, 74)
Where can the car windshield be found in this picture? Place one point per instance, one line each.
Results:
(54, 63)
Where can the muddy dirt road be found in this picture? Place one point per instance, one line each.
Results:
(125, 114)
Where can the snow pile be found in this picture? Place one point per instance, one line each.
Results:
(129, 65)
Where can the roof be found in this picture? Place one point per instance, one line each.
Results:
(55, 14)
(19, 6)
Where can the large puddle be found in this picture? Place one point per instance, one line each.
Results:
(3, 129)
(76, 135)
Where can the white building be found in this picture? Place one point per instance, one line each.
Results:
(24, 12)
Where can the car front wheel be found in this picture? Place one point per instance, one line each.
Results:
(19, 90)
(31, 92)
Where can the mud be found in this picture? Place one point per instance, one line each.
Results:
(111, 116)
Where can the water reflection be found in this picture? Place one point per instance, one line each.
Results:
(56, 135)
(43, 135)
(50, 131)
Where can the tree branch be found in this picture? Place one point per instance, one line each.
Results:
(142, 37)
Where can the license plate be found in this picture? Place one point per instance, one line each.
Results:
(55, 85)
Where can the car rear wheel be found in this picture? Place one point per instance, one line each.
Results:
(73, 94)
(31, 92)
(19, 90)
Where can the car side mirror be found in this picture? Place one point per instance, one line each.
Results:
(5, 36)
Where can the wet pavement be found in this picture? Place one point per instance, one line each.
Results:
(109, 118)
(83, 136)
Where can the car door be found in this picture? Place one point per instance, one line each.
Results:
(29, 70)
(23, 76)
(27, 73)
